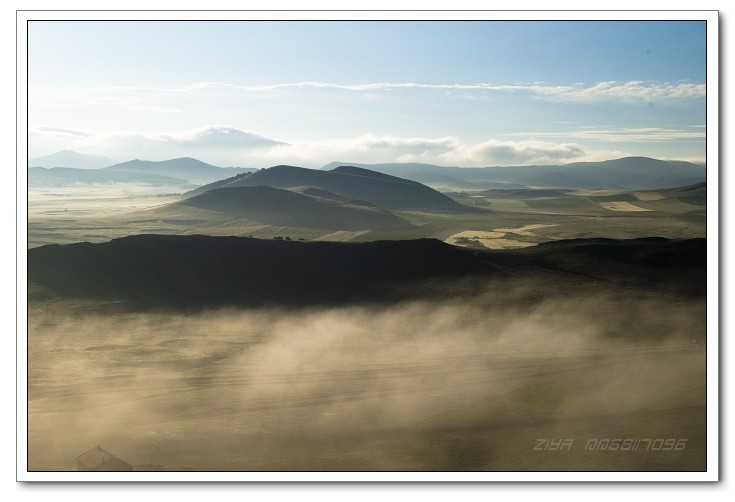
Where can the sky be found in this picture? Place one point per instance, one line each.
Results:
(467, 93)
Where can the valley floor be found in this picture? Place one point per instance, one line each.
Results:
(512, 220)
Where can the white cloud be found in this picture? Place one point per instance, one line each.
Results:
(58, 131)
(523, 152)
(221, 137)
(622, 134)
(624, 91)
(221, 144)
(228, 146)
(600, 91)
(371, 148)
(150, 98)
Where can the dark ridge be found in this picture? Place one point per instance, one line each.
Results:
(194, 272)
(676, 266)
(200, 271)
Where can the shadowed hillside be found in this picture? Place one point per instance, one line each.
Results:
(200, 271)
(676, 266)
(192, 271)
(274, 206)
(388, 192)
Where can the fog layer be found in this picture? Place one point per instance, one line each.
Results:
(418, 386)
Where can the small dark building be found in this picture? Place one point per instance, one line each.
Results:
(98, 459)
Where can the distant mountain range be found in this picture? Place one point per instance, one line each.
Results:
(176, 172)
(71, 159)
(629, 173)
(157, 271)
(382, 190)
(192, 170)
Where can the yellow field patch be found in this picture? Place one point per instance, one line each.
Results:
(490, 240)
(648, 196)
(505, 244)
(525, 230)
(622, 206)
(477, 234)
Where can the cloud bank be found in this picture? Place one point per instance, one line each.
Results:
(217, 144)
(169, 100)
(635, 90)
(313, 123)
(229, 146)
(624, 134)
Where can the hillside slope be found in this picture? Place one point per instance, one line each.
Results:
(276, 206)
(388, 192)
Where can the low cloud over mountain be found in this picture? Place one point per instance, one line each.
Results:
(222, 145)
(231, 146)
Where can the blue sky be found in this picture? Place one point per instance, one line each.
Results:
(307, 93)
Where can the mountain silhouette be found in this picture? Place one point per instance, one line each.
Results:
(187, 168)
(196, 271)
(313, 208)
(632, 173)
(385, 191)
(71, 159)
